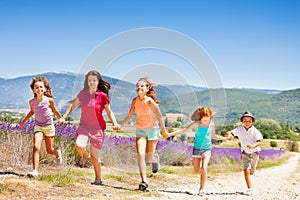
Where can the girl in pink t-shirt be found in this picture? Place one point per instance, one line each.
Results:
(148, 120)
(93, 99)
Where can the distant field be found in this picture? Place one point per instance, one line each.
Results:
(265, 144)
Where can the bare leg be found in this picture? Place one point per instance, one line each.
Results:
(49, 146)
(96, 162)
(141, 143)
(37, 140)
(204, 166)
(150, 149)
(247, 178)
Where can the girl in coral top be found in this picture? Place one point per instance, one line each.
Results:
(149, 125)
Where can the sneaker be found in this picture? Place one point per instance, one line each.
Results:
(155, 164)
(97, 182)
(201, 193)
(33, 174)
(248, 192)
(59, 160)
(143, 186)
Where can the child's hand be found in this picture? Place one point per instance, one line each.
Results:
(249, 146)
(117, 127)
(165, 134)
(21, 124)
(61, 121)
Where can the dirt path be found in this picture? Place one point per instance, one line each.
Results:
(282, 182)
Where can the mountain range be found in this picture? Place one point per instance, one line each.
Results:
(229, 104)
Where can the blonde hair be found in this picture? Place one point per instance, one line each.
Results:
(199, 113)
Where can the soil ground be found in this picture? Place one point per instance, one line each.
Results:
(281, 182)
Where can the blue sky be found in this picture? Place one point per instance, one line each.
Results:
(253, 43)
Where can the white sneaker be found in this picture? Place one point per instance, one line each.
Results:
(33, 174)
(201, 193)
(59, 160)
(248, 192)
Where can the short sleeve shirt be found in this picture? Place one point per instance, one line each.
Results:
(247, 137)
(92, 106)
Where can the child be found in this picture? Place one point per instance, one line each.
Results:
(42, 107)
(147, 129)
(250, 139)
(152, 93)
(205, 131)
(93, 99)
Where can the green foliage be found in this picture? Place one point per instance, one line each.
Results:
(176, 124)
(183, 137)
(2, 189)
(292, 145)
(59, 179)
(273, 144)
(282, 107)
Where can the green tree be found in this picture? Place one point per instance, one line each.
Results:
(273, 144)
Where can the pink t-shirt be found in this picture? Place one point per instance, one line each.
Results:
(92, 106)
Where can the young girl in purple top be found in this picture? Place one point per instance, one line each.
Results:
(93, 99)
(42, 106)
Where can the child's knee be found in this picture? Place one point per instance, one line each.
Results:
(36, 148)
(95, 158)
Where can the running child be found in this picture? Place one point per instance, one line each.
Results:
(93, 99)
(205, 131)
(149, 123)
(42, 107)
(250, 139)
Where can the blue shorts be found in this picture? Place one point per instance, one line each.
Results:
(199, 153)
(150, 134)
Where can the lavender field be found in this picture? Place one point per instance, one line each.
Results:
(117, 151)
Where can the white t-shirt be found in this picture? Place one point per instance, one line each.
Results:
(247, 137)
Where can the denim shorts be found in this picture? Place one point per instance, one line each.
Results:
(150, 134)
(199, 153)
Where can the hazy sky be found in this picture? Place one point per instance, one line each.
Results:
(252, 43)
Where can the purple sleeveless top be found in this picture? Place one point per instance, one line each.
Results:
(43, 112)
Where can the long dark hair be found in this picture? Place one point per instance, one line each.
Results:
(103, 86)
(43, 79)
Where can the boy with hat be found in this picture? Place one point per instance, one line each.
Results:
(250, 139)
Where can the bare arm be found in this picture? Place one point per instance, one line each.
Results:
(154, 107)
(218, 137)
(130, 113)
(54, 109)
(29, 114)
(111, 116)
(257, 143)
(191, 126)
(74, 104)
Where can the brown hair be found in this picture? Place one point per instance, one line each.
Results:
(149, 85)
(201, 112)
(43, 79)
(103, 86)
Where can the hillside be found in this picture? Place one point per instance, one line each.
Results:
(283, 107)
(229, 104)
